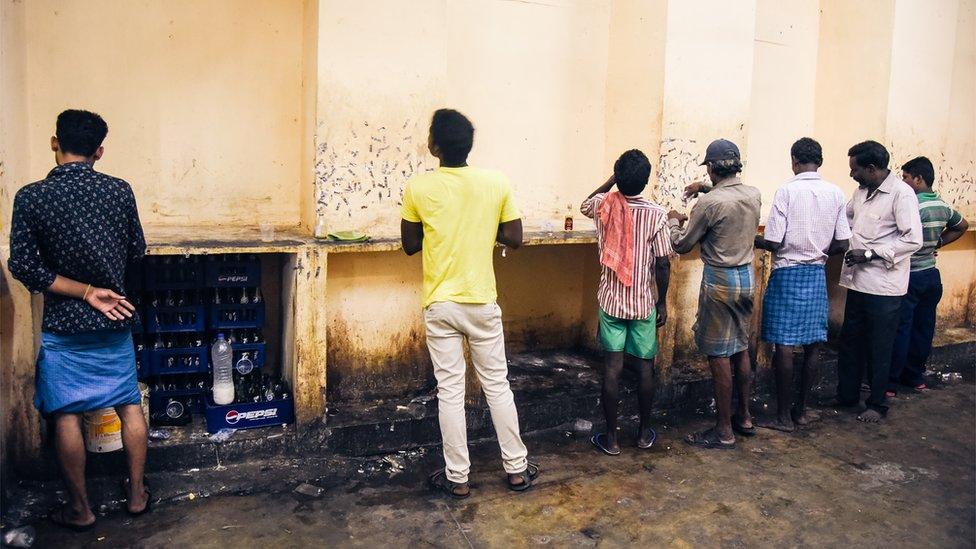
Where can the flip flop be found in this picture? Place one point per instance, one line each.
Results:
(530, 473)
(649, 444)
(439, 482)
(56, 516)
(124, 484)
(741, 429)
(595, 439)
(708, 439)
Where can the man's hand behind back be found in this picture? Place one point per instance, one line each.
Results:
(109, 303)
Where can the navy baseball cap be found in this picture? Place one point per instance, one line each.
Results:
(720, 149)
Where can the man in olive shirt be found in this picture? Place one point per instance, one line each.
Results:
(723, 222)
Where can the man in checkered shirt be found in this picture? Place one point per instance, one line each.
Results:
(807, 223)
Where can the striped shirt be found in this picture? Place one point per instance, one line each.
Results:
(936, 216)
(651, 239)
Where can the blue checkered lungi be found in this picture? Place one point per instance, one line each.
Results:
(84, 372)
(724, 310)
(795, 306)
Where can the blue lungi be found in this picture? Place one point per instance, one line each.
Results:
(84, 372)
(795, 306)
(724, 310)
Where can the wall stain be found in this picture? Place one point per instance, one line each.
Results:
(367, 168)
(400, 367)
(678, 166)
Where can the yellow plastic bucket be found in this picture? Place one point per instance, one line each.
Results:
(103, 431)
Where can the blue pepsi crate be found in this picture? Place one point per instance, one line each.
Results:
(166, 318)
(142, 364)
(138, 319)
(249, 415)
(173, 272)
(235, 315)
(255, 353)
(225, 272)
(158, 399)
(179, 360)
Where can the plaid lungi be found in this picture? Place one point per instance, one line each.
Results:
(724, 310)
(795, 306)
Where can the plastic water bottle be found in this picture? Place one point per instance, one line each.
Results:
(223, 371)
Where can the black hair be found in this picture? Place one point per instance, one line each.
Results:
(453, 134)
(807, 151)
(920, 167)
(724, 169)
(870, 153)
(630, 172)
(80, 132)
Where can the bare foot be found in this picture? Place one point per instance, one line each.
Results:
(646, 438)
(778, 424)
(870, 416)
(70, 517)
(806, 418)
(137, 502)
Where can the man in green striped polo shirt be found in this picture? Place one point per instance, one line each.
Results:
(940, 225)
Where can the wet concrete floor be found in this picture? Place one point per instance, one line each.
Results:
(906, 483)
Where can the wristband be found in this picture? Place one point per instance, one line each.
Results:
(88, 289)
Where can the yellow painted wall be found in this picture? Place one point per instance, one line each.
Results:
(635, 81)
(203, 101)
(18, 418)
(782, 99)
(853, 79)
(957, 174)
(530, 75)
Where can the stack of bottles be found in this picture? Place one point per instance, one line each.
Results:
(200, 343)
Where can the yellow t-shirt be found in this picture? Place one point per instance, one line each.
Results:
(460, 209)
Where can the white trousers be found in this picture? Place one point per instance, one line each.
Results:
(448, 324)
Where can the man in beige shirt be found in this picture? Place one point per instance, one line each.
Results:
(887, 230)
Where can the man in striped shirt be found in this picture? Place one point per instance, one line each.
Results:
(940, 226)
(635, 250)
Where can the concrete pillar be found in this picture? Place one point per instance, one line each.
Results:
(783, 83)
(853, 79)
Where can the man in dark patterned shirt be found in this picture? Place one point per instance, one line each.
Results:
(73, 236)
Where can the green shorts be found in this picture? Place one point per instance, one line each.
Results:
(635, 337)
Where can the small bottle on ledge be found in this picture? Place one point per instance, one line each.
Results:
(568, 225)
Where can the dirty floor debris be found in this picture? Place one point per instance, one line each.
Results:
(906, 483)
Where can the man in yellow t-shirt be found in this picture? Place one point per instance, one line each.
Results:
(455, 214)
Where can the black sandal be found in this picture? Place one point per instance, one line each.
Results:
(738, 427)
(124, 484)
(439, 482)
(708, 439)
(56, 516)
(530, 473)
